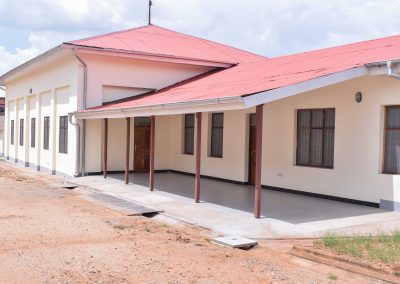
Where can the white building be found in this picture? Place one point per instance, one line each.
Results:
(2, 111)
(323, 123)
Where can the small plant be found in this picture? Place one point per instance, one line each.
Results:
(332, 276)
(121, 227)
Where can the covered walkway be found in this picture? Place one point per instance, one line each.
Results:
(227, 208)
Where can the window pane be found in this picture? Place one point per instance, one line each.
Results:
(330, 118)
(21, 132)
(303, 118)
(33, 132)
(329, 139)
(189, 134)
(46, 132)
(392, 151)
(63, 135)
(189, 141)
(393, 117)
(303, 147)
(12, 133)
(189, 120)
(217, 142)
(316, 147)
(218, 120)
(217, 134)
(315, 137)
(317, 118)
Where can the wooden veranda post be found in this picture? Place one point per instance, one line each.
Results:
(259, 130)
(198, 157)
(152, 145)
(128, 136)
(105, 150)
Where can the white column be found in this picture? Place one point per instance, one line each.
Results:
(16, 129)
(38, 133)
(26, 130)
(53, 125)
(6, 129)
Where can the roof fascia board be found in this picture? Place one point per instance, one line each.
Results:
(29, 65)
(288, 91)
(230, 103)
(143, 56)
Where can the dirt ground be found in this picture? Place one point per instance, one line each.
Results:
(54, 235)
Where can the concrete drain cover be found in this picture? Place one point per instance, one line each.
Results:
(68, 185)
(235, 242)
(132, 208)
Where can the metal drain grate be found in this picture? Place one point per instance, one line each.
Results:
(132, 208)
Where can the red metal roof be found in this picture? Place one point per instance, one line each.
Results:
(266, 74)
(154, 40)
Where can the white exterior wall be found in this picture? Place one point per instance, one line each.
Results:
(117, 144)
(54, 92)
(132, 73)
(358, 143)
(357, 172)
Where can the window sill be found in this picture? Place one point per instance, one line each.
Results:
(187, 154)
(314, 167)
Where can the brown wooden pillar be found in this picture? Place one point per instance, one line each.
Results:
(128, 136)
(259, 130)
(152, 145)
(198, 157)
(105, 148)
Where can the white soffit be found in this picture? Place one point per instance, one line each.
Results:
(291, 90)
(114, 93)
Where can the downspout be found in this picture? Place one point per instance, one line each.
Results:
(390, 71)
(80, 169)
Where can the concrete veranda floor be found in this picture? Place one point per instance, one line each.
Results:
(227, 208)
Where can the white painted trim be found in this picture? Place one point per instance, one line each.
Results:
(291, 90)
(229, 103)
(144, 56)
(48, 57)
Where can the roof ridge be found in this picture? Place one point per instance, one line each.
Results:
(212, 41)
(337, 46)
(110, 33)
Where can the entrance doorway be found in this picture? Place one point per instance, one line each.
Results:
(142, 145)
(252, 148)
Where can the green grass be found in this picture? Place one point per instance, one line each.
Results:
(122, 227)
(376, 247)
(332, 276)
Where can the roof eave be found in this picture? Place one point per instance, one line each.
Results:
(148, 56)
(218, 104)
(7, 76)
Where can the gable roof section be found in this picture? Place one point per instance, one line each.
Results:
(154, 40)
(251, 78)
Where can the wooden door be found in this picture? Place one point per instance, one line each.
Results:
(252, 149)
(142, 144)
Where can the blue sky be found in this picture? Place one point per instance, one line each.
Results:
(271, 28)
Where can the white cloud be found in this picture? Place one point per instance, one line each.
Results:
(270, 28)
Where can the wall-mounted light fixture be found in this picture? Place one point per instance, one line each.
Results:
(358, 97)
